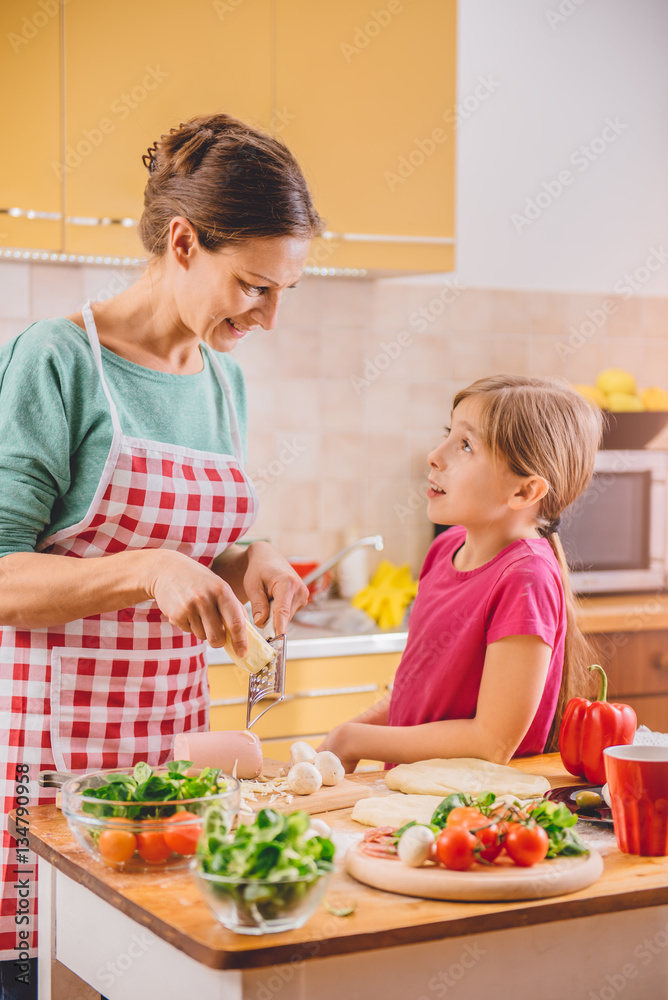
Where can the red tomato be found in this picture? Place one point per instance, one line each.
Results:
(526, 845)
(491, 841)
(152, 847)
(117, 846)
(455, 848)
(183, 839)
(466, 816)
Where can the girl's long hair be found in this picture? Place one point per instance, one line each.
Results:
(542, 427)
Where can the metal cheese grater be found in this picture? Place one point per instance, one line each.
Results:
(268, 683)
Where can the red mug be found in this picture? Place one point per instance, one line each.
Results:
(638, 783)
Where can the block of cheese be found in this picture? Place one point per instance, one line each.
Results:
(226, 750)
(260, 653)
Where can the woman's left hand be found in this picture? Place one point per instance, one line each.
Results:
(269, 576)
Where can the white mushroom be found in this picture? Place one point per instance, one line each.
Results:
(300, 751)
(330, 767)
(304, 778)
(414, 845)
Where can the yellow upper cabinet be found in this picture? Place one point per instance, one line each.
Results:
(31, 124)
(363, 94)
(368, 95)
(135, 70)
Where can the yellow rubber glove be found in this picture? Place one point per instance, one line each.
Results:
(388, 595)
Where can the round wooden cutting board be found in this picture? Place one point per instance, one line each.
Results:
(501, 881)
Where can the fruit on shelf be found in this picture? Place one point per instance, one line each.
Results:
(655, 398)
(617, 390)
(624, 402)
(616, 380)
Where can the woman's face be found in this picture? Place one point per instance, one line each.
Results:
(222, 296)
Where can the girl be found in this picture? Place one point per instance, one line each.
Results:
(493, 650)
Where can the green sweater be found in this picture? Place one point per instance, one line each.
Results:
(55, 424)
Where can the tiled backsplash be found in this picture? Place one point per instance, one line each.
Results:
(352, 390)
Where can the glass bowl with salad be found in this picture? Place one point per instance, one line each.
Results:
(146, 819)
(263, 877)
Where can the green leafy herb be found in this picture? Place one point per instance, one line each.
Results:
(558, 821)
(144, 786)
(270, 863)
(340, 911)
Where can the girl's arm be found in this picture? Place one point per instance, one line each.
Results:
(512, 686)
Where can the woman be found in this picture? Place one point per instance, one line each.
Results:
(122, 489)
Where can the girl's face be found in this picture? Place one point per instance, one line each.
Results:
(468, 486)
(223, 296)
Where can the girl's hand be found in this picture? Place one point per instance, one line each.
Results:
(336, 742)
(271, 577)
(196, 600)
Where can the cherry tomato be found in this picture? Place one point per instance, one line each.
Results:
(455, 848)
(490, 840)
(152, 847)
(117, 846)
(466, 816)
(183, 839)
(526, 845)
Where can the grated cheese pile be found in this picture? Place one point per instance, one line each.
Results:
(276, 788)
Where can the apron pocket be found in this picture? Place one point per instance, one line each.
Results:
(113, 708)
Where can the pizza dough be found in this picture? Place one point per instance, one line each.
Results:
(395, 810)
(464, 774)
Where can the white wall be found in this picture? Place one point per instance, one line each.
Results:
(557, 85)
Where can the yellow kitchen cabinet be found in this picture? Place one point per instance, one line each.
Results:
(637, 667)
(368, 97)
(320, 693)
(134, 70)
(30, 119)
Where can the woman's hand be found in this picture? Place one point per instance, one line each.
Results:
(269, 577)
(196, 600)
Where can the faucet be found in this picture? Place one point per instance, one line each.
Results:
(373, 540)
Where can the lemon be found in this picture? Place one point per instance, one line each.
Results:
(655, 398)
(593, 395)
(623, 402)
(616, 380)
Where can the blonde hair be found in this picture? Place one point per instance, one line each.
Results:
(543, 427)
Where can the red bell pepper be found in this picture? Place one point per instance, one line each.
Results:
(588, 727)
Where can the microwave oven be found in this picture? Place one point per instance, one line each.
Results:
(614, 535)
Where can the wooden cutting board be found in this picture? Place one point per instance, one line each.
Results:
(341, 796)
(502, 881)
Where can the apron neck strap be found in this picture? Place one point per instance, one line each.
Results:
(94, 341)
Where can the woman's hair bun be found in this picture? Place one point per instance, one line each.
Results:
(180, 151)
(230, 180)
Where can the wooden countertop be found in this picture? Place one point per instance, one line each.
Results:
(171, 907)
(623, 613)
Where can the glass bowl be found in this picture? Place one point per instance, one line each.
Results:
(141, 836)
(260, 906)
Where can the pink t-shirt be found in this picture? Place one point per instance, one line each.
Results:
(457, 614)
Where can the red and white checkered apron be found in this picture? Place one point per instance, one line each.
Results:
(112, 689)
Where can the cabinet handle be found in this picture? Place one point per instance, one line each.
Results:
(660, 662)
